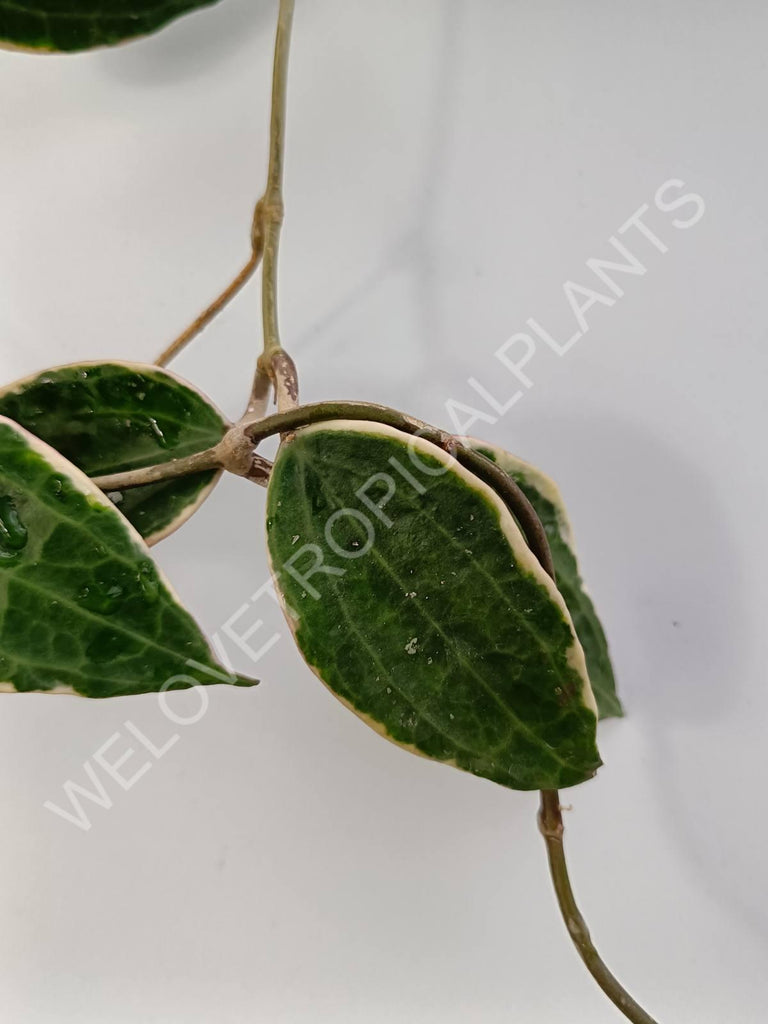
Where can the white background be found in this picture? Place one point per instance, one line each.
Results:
(450, 166)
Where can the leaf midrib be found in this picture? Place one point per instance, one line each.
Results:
(407, 698)
(15, 576)
(103, 621)
(527, 624)
(517, 723)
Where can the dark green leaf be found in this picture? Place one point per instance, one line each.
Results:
(84, 609)
(111, 417)
(544, 494)
(83, 24)
(429, 616)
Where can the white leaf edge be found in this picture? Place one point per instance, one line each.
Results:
(86, 486)
(523, 555)
(18, 386)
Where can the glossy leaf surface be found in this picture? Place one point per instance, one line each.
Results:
(83, 24)
(544, 494)
(111, 417)
(84, 608)
(414, 597)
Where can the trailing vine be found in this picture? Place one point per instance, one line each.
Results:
(371, 513)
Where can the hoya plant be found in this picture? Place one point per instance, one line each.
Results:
(430, 581)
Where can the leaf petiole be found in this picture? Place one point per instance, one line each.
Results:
(212, 311)
(232, 289)
(210, 458)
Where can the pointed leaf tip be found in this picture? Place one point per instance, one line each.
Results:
(544, 494)
(85, 609)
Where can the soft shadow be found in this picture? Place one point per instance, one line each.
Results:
(657, 548)
(415, 252)
(668, 578)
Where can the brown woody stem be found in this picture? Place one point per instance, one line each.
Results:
(286, 382)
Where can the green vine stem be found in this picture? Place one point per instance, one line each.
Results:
(197, 462)
(551, 827)
(274, 366)
(237, 453)
(301, 416)
(272, 208)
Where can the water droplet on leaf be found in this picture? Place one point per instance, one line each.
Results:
(13, 532)
(148, 581)
(55, 486)
(102, 596)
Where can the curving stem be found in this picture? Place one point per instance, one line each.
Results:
(237, 453)
(211, 312)
(551, 827)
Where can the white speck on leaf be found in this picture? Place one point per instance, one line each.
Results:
(412, 646)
